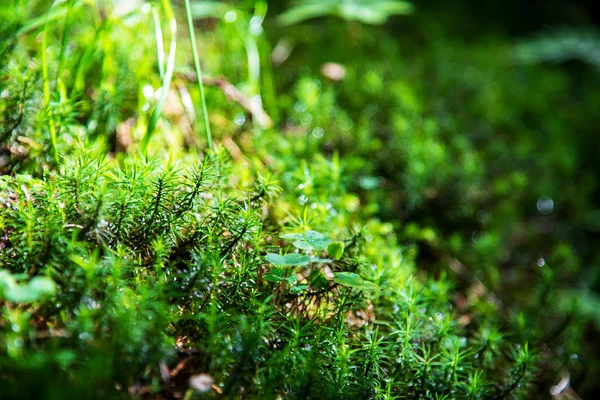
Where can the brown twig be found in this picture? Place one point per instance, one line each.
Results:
(253, 106)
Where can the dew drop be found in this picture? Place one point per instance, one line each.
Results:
(541, 262)
(239, 119)
(230, 16)
(545, 205)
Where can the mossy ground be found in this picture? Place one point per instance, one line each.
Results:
(417, 221)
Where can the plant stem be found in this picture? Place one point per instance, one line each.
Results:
(65, 38)
(188, 13)
(47, 98)
(160, 50)
(167, 78)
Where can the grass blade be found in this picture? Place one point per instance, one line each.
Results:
(166, 80)
(190, 24)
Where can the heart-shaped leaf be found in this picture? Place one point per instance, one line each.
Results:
(298, 289)
(335, 250)
(318, 279)
(310, 240)
(295, 259)
(289, 260)
(353, 280)
(275, 275)
(275, 259)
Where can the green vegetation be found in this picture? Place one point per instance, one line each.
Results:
(268, 200)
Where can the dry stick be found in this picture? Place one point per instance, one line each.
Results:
(233, 94)
(478, 287)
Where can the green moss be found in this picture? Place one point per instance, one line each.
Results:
(419, 229)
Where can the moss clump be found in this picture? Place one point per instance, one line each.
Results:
(382, 234)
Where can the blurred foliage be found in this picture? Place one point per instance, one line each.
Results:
(420, 219)
(562, 45)
(374, 12)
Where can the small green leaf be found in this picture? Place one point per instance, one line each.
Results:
(298, 289)
(275, 275)
(314, 259)
(353, 280)
(335, 250)
(295, 259)
(42, 286)
(310, 240)
(34, 290)
(275, 259)
(318, 279)
(293, 236)
(289, 260)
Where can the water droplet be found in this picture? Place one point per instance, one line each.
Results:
(541, 262)
(318, 132)
(545, 205)
(239, 119)
(482, 216)
(306, 118)
(303, 199)
(230, 16)
(256, 25)
(300, 107)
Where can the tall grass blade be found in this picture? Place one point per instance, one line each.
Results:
(166, 80)
(47, 97)
(188, 13)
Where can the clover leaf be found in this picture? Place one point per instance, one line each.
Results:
(318, 279)
(298, 289)
(353, 280)
(309, 240)
(335, 250)
(289, 260)
(278, 274)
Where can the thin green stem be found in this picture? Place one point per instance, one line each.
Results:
(159, 43)
(188, 13)
(47, 97)
(65, 37)
(166, 80)
(33, 24)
